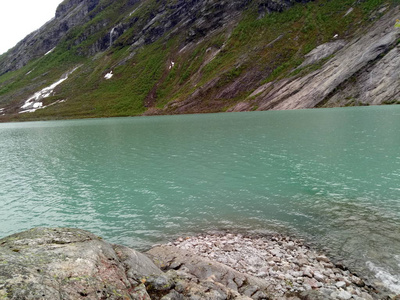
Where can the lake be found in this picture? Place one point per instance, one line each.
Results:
(330, 176)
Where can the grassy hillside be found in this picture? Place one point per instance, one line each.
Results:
(222, 68)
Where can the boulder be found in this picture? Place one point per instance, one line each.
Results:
(66, 263)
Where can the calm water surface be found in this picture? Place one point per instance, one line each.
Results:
(331, 176)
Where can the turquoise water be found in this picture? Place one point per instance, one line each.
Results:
(331, 176)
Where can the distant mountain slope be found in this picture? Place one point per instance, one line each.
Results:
(100, 58)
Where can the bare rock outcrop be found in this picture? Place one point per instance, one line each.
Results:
(364, 70)
(69, 14)
(63, 263)
(67, 263)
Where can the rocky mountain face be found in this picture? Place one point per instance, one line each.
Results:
(363, 71)
(69, 14)
(134, 57)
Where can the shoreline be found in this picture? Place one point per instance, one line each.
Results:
(71, 263)
(288, 263)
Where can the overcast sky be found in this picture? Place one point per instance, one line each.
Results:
(18, 18)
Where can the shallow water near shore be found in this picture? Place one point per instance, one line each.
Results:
(331, 176)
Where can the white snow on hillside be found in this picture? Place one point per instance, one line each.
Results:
(109, 75)
(33, 103)
(48, 52)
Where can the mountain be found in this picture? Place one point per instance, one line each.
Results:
(101, 58)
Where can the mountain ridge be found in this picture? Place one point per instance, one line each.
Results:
(171, 57)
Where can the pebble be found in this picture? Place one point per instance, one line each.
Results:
(285, 262)
(340, 284)
(343, 295)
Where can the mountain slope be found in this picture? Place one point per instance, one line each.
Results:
(100, 58)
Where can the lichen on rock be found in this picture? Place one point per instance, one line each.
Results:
(65, 263)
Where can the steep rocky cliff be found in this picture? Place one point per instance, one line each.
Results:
(69, 14)
(119, 58)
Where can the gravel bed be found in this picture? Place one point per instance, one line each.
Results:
(288, 263)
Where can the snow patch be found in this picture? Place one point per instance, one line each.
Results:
(135, 10)
(184, 48)
(56, 102)
(349, 11)
(172, 64)
(48, 52)
(109, 75)
(33, 103)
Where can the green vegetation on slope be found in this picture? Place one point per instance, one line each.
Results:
(274, 45)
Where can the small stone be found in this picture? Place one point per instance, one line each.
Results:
(228, 248)
(276, 259)
(327, 265)
(334, 295)
(302, 261)
(300, 279)
(297, 273)
(159, 283)
(325, 291)
(312, 282)
(357, 281)
(307, 272)
(319, 276)
(351, 290)
(341, 266)
(238, 281)
(250, 290)
(343, 295)
(262, 274)
(259, 295)
(366, 296)
(340, 284)
(172, 295)
(291, 245)
(180, 286)
(322, 258)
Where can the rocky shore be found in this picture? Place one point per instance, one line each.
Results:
(289, 266)
(65, 263)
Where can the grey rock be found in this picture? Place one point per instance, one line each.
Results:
(159, 283)
(307, 272)
(323, 258)
(211, 274)
(319, 276)
(137, 264)
(343, 295)
(140, 293)
(340, 284)
(69, 14)
(250, 290)
(173, 295)
(375, 81)
(322, 51)
(314, 295)
(357, 281)
(366, 296)
(62, 263)
(259, 295)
